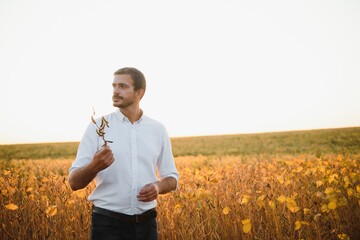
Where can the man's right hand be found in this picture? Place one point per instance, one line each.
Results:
(102, 159)
(81, 177)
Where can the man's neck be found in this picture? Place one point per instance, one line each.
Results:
(132, 114)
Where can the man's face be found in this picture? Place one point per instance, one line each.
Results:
(124, 94)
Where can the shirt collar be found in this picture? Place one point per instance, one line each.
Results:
(123, 118)
(120, 116)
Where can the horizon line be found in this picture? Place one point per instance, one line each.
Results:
(194, 136)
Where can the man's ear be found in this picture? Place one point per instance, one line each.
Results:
(140, 93)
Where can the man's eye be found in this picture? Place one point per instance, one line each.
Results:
(121, 85)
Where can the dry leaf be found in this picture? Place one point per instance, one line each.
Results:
(281, 198)
(226, 210)
(11, 206)
(246, 225)
(51, 211)
(332, 205)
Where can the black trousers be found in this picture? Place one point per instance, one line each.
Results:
(112, 227)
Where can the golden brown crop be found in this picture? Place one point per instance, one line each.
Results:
(284, 197)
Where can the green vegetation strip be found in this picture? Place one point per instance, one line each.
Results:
(317, 142)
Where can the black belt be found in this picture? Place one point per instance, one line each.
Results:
(137, 218)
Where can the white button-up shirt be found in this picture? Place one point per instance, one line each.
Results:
(141, 151)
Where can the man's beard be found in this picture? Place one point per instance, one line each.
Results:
(123, 104)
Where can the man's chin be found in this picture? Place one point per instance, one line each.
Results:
(117, 105)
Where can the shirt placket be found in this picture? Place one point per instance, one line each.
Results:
(134, 168)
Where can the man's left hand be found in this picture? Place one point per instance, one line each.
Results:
(148, 193)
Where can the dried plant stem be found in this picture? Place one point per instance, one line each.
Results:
(100, 130)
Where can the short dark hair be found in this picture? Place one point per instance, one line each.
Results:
(137, 76)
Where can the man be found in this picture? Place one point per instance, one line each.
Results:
(124, 165)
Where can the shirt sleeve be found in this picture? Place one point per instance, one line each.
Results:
(166, 162)
(87, 148)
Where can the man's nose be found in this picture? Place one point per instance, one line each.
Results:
(116, 89)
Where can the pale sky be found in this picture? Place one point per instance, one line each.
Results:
(212, 66)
